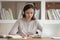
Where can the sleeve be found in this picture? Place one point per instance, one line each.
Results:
(39, 26)
(14, 29)
(19, 30)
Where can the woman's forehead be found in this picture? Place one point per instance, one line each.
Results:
(30, 10)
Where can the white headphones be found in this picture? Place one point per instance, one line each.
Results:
(27, 4)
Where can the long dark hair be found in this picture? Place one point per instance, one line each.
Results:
(26, 7)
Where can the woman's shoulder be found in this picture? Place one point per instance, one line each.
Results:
(19, 20)
(37, 21)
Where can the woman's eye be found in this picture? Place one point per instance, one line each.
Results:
(27, 13)
(31, 12)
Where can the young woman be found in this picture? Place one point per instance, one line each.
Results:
(27, 25)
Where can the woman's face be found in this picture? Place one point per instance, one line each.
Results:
(29, 13)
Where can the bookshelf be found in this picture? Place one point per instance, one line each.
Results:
(15, 9)
(14, 6)
(44, 7)
(52, 11)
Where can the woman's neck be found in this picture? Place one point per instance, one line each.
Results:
(28, 20)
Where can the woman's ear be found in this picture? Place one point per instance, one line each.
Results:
(22, 13)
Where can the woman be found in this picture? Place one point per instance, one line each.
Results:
(27, 25)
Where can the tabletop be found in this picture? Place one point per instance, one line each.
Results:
(39, 38)
(43, 38)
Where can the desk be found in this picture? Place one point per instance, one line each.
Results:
(39, 39)
(30, 39)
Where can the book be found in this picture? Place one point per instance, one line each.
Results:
(20, 14)
(6, 14)
(10, 14)
(50, 15)
(54, 14)
(3, 15)
(58, 13)
(12, 36)
(46, 16)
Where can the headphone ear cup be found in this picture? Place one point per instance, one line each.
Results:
(22, 12)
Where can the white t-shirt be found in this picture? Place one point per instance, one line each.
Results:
(25, 27)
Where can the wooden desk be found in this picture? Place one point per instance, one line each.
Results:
(29, 39)
(39, 39)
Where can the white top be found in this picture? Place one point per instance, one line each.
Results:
(27, 28)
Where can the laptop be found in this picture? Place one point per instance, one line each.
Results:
(51, 30)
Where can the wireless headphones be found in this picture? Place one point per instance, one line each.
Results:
(27, 4)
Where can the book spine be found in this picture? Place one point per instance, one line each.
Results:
(10, 14)
(50, 15)
(54, 14)
(3, 16)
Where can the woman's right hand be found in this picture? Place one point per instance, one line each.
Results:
(23, 35)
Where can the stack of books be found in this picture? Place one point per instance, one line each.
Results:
(53, 14)
(6, 14)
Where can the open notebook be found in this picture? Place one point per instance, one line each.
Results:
(5, 28)
(12, 36)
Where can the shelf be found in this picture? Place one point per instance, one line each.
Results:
(7, 21)
(41, 21)
(15, 9)
(52, 5)
(52, 11)
(34, 0)
(20, 0)
(48, 4)
(50, 21)
(52, 0)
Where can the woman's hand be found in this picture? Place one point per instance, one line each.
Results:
(23, 35)
(29, 36)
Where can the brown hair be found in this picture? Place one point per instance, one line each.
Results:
(26, 7)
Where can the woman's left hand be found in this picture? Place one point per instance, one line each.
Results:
(29, 36)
